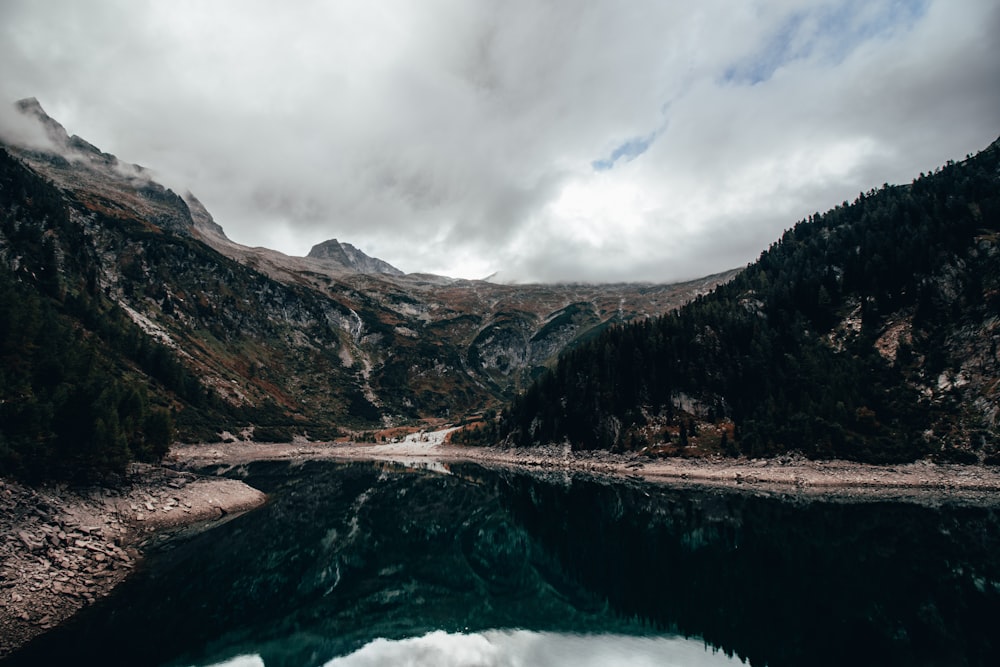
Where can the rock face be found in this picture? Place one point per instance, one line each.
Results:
(203, 220)
(350, 258)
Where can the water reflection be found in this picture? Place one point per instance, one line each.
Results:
(498, 648)
(242, 661)
(353, 561)
(781, 581)
(517, 648)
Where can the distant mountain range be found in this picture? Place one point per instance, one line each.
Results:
(869, 332)
(108, 279)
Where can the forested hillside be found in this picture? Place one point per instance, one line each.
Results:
(88, 382)
(68, 407)
(868, 332)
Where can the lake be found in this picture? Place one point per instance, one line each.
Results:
(356, 564)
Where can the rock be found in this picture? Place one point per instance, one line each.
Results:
(29, 542)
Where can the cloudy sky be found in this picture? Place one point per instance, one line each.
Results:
(547, 140)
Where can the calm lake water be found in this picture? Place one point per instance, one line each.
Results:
(375, 564)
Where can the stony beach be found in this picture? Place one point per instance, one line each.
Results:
(64, 548)
(788, 475)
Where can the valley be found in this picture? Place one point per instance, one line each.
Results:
(225, 337)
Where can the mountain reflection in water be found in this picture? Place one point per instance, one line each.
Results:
(358, 564)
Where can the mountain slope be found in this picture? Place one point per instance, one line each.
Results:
(141, 287)
(869, 332)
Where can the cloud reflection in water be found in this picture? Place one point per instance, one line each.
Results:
(521, 648)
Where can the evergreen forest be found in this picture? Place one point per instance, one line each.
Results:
(868, 333)
(74, 403)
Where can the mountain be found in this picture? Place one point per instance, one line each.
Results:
(869, 332)
(128, 316)
(98, 181)
(346, 256)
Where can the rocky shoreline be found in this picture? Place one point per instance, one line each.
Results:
(64, 548)
(789, 475)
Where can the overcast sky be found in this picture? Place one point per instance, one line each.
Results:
(546, 140)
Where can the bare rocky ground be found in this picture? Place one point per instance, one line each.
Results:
(789, 475)
(64, 548)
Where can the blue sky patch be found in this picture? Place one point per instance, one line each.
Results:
(777, 51)
(628, 151)
(831, 33)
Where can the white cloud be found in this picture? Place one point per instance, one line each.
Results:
(461, 137)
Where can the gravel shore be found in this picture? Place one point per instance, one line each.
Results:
(64, 548)
(789, 475)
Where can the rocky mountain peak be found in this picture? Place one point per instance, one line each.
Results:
(348, 257)
(96, 178)
(32, 108)
(62, 144)
(203, 220)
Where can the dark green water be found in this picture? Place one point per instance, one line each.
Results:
(358, 564)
